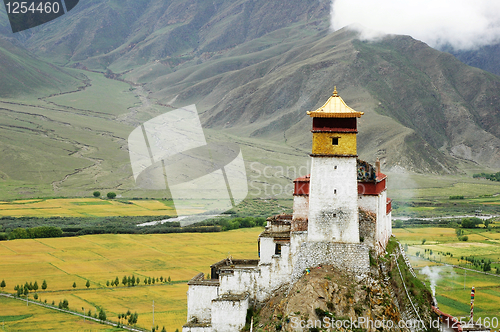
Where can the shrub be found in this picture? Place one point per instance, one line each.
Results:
(96, 194)
(111, 195)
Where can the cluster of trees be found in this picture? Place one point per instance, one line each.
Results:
(240, 222)
(154, 329)
(133, 280)
(27, 287)
(64, 304)
(489, 176)
(471, 222)
(130, 317)
(430, 253)
(110, 195)
(480, 263)
(35, 233)
(28, 227)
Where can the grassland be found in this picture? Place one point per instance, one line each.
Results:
(101, 258)
(452, 296)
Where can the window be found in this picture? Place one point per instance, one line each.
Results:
(335, 141)
(277, 249)
(335, 191)
(334, 167)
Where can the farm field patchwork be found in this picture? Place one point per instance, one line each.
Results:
(101, 258)
(453, 285)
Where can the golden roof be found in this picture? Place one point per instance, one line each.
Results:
(335, 107)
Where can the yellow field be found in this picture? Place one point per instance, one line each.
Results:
(16, 316)
(87, 207)
(99, 258)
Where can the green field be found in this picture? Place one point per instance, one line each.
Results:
(100, 258)
(452, 296)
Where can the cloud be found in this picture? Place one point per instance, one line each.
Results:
(463, 24)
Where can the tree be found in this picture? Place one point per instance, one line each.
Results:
(102, 315)
(107, 283)
(471, 222)
(89, 313)
(398, 224)
(423, 241)
(44, 285)
(87, 284)
(2, 284)
(111, 195)
(124, 280)
(149, 281)
(74, 285)
(133, 280)
(169, 280)
(133, 318)
(35, 286)
(161, 278)
(138, 280)
(26, 291)
(117, 281)
(153, 281)
(96, 194)
(145, 281)
(35, 296)
(163, 329)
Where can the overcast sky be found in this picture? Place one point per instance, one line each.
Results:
(465, 24)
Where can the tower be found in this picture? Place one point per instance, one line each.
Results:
(333, 192)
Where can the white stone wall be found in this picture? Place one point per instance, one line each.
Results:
(378, 205)
(267, 248)
(333, 200)
(300, 207)
(243, 280)
(350, 257)
(196, 329)
(368, 203)
(229, 316)
(199, 300)
(296, 240)
(274, 274)
(382, 222)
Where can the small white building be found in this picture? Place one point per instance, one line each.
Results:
(341, 213)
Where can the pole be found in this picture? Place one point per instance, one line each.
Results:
(153, 313)
(465, 277)
(472, 294)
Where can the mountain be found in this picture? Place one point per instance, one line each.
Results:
(254, 68)
(485, 57)
(23, 74)
(424, 108)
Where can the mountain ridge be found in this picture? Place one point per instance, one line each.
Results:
(425, 111)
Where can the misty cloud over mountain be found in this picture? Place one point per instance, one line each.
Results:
(461, 24)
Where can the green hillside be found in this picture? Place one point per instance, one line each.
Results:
(23, 74)
(253, 69)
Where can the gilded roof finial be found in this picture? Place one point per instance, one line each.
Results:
(335, 91)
